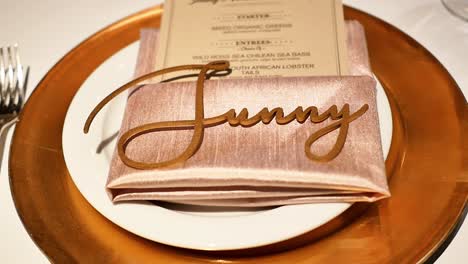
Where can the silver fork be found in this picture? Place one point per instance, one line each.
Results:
(13, 83)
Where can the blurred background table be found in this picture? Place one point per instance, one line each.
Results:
(46, 30)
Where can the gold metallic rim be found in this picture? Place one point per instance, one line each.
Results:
(429, 178)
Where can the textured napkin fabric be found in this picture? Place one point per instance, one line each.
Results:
(262, 165)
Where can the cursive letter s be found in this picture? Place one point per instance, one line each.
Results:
(196, 124)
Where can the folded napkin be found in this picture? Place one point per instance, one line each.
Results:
(260, 165)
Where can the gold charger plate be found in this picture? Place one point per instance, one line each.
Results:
(427, 166)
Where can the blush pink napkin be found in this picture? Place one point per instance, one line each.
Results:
(263, 165)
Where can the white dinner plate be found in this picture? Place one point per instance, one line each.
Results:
(88, 157)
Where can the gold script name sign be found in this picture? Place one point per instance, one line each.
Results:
(341, 119)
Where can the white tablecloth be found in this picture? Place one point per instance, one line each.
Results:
(47, 29)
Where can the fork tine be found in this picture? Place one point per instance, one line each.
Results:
(13, 97)
(24, 86)
(2, 76)
(11, 56)
(9, 79)
(10, 62)
(17, 96)
(6, 79)
(20, 77)
(2, 68)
